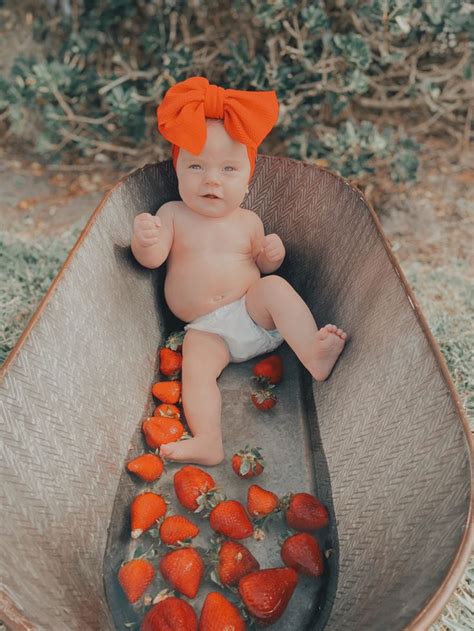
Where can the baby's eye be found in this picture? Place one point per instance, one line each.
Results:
(191, 166)
(231, 168)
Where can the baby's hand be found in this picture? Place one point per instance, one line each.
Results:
(273, 248)
(146, 229)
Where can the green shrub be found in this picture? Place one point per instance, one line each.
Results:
(360, 83)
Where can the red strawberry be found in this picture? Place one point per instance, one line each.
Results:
(306, 512)
(159, 430)
(184, 569)
(195, 488)
(261, 502)
(303, 553)
(248, 462)
(167, 391)
(264, 399)
(269, 370)
(147, 467)
(170, 362)
(134, 576)
(219, 614)
(171, 614)
(168, 410)
(146, 509)
(177, 528)
(230, 519)
(266, 593)
(235, 561)
(175, 340)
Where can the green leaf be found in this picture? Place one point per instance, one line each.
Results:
(354, 49)
(138, 552)
(154, 532)
(244, 467)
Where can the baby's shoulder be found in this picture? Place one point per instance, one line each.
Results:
(249, 215)
(250, 218)
(168, 208)
(171, 212)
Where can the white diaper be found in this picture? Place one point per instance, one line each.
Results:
(243, 336)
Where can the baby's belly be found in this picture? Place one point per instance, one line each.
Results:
(194, 288)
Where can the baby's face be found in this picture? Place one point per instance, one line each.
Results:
(221, 169)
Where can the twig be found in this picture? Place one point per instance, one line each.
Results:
(77, 167)
(82, 119)
(173, 22)
(59, 97)
(133, 75)
(387, 105)
(105, 146)
(467, 129)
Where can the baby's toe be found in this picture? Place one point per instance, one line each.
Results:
(322, 334)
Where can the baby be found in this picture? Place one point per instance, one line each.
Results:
(216, 254)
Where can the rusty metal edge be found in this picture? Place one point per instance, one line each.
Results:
(12, 616)
(435, 605)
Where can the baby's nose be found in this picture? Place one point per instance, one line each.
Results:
(212, 177)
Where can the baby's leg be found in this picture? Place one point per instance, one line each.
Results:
(273, 303)
(205, 355)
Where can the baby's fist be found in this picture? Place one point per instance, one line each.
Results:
(146, 229)
(273, 248)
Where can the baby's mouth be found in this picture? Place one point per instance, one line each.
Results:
(210, 196)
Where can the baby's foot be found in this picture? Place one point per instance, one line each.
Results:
(198, 450)
(328, 345)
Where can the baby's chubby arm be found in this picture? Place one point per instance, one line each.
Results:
(268, 250)
(153, 236)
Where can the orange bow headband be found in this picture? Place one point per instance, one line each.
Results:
(248, 116)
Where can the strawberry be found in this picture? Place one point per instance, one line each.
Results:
(219, 614)
(167, 391)
(184, 569)
(168, 410)
(264, 399)
(303, 553)
(148, 467)
(230, 519)
(175, 341)
(195, 488)
(266, 593)
(170, 362)
(269, 370)
(305, 512)
(248, 462)
(134, 576)
(261, 502)
(159, 430)
(234, 561)
(177, 528)
(171, 614)
(146, 509)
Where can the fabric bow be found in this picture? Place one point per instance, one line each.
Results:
(248, 116)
